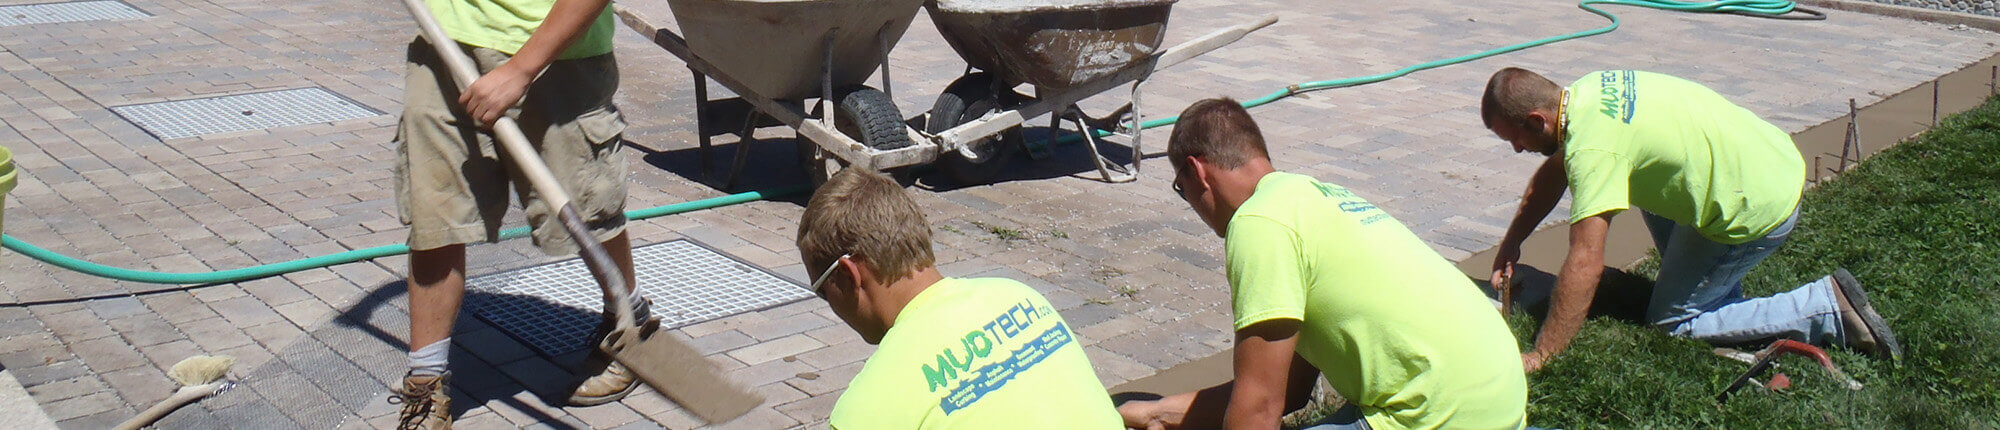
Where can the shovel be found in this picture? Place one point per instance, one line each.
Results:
(661, 361)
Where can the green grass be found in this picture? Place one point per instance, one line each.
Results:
(1918, 224)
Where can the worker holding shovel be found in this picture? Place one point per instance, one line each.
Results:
(1322, 282)
(1720, 191)
(548, 65)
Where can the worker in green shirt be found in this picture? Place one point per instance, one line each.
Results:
(953, 353)
(1719, 189)
(549, 65)
(1322, 282)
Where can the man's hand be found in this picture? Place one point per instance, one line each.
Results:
(1532, 361)
(489, 97)
(1503, 275)
(1145, 414)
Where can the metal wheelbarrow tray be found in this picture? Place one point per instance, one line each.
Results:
(1052, 44)
(778, 48)
(776, 54)
(1068, 50)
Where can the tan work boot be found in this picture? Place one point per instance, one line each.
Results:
(426, 402)
(1867, 331)
(609, 380)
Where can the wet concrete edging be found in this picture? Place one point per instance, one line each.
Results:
(1885, 123)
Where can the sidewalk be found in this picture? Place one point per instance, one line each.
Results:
(1127, 264)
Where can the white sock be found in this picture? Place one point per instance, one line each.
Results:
(431, 359)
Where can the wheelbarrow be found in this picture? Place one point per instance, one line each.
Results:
(775, 55)
(1067, 50)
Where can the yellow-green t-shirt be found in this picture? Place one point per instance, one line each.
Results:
(1393, 326)
(1679, 150)
(505, 25)
(982, 353)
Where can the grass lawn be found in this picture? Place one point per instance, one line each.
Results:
(1918, 224)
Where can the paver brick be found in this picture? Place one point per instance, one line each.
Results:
(776, 349)
(67, 388)
(107, 354)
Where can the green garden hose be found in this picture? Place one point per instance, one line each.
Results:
(275, 269)
(1781, 9)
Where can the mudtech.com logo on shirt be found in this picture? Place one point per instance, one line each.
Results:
(967, 385)
(1619, 94)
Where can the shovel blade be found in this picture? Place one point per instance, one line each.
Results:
(679, 371)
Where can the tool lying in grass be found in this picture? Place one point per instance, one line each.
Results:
(663, 362)
(200, 376)
(1764, 360)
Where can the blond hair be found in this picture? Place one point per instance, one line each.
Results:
(863, 213)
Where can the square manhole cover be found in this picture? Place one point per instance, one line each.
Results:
(554, 307)
(50, 13)
(255, 111)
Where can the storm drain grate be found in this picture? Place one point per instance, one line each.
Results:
(554, 307)
(257, 111)
(50, 13)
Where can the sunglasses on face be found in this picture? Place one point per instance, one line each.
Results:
(819, 284)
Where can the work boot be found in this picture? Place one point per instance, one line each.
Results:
(1866, 330)
(610, 381)
(426, 402)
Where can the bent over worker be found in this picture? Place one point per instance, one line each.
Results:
(1323, 282)
(1719, 189)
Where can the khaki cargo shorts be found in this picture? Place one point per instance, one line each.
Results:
(452, 180)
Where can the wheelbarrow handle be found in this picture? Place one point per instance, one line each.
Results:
(515, 143)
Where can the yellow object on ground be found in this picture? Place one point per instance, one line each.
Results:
(7, 180)
(1396, 328)
(1677, 149)
(982, 353)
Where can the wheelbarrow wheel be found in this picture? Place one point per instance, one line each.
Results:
(968, 99)
(870, 115)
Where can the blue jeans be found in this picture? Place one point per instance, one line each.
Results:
(1699, 293)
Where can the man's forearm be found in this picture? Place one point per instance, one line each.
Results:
(566, 22)
(1544, 190)
(1197, 410)
(1576, 286)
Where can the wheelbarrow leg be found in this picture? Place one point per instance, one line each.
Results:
(1137, 129)
(1104, 167)
(700, 114)
(743, 143)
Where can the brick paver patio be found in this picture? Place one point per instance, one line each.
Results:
(1126, 263)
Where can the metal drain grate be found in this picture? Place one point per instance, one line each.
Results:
(554, 307)
(257, 111)
(50, 13)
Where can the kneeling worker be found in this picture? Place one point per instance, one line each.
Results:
(955, 353)
(1324, 282)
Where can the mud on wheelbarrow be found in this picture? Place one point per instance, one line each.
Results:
(775, 54)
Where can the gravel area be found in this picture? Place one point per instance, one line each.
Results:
(1981, 7)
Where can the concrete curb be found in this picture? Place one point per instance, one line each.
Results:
(17, 409)
(1914, 13)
